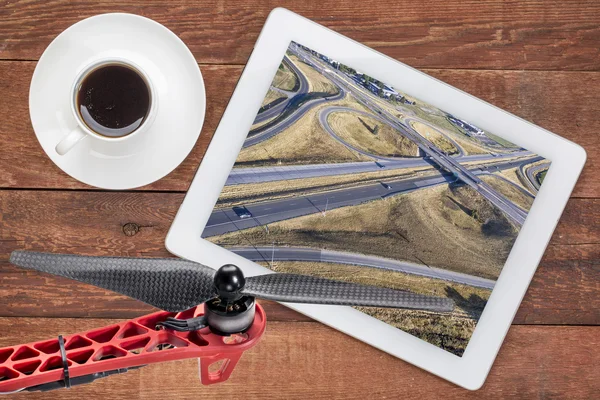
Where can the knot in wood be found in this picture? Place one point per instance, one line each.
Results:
(131, 228)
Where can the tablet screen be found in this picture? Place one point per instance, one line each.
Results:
(347, 177)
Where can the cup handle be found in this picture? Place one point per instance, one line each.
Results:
(69, 141)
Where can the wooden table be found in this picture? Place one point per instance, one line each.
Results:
(540, 61)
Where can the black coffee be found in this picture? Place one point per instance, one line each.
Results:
(113, 100)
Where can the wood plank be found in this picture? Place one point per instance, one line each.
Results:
(565, 288)
(499, 35)
(534, 362)
(564, 291)
(562, 102)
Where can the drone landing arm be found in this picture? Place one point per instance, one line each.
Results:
(128, 344)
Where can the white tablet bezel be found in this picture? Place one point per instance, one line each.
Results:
(282, 27)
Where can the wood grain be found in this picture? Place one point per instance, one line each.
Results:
(564, 290)
(490, 34)
(309, 360)
(538, 60)
(563, 102)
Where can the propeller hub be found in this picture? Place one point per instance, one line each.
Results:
(229, 281)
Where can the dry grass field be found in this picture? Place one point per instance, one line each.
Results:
(501, 141)
(371, 135)
(470, 146)
(434, 136)
(449, 331)
(304, 142)
(513, 176)
(316, 81)
(470, 235)
(284, 78)
(509, 191)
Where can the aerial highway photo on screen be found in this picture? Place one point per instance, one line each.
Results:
(346, 177)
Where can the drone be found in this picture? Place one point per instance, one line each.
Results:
(207, 314)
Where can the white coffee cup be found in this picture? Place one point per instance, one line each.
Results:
(82, 130)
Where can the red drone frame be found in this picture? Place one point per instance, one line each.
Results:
(89, 355)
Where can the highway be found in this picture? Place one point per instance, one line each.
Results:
(269, 254)
(227, 220)
(261, 214)
(294, 115)
(243, 175)
(510, 209)
(532, 174)
(279, 107)
(445, 162)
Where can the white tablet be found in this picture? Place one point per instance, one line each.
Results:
(334, 160)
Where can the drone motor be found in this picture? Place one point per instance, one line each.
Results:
(229, 318)
(231, 312)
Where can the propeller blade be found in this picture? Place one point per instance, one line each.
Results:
(170, 284)
(293, 288)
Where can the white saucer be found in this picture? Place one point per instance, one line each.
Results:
(143, 158)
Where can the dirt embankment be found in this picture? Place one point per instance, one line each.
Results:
(371, 135)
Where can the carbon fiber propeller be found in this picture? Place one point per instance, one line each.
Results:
(177, 285)
(292, 288)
